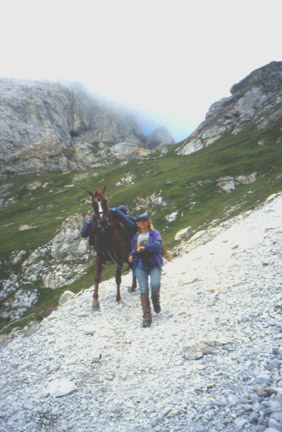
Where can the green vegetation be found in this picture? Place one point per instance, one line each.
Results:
(186, 184)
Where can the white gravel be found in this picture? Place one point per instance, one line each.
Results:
(211, 361)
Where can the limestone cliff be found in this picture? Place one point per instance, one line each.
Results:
(256, 100)
(60, 126)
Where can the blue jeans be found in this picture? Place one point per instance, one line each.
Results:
(142, 274)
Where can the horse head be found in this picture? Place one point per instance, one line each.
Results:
(100, 207)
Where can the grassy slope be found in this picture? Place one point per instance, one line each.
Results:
(180, 180)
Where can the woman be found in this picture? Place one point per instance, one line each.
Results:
(146, 256)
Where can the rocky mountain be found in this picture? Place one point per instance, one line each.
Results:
(54, 126)
(42, 253)
(256, 100)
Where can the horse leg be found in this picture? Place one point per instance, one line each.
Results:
(97, 277)
(134, 284)
(118, 282)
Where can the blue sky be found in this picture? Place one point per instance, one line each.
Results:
(167, 60)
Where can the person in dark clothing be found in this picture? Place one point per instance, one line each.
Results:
(129, 221)
(146, 256)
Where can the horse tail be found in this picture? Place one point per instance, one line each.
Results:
(166, 254)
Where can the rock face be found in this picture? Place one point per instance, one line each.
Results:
(59, 262)
(254, 100)
(159, 139)
(54, 126)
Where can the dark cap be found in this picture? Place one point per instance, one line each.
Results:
(142, 216)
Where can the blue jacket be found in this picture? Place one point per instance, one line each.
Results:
(86, 229)
(154, 246)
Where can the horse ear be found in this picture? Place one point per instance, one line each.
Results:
(104, 189)
(90, 193)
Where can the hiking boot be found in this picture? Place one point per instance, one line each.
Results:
(146, 323)
(156, 301)
(147, 316)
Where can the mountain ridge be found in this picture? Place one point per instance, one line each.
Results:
(49, 126)
(257, 100)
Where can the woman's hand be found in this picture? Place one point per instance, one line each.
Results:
(131, 259)
(140, 249)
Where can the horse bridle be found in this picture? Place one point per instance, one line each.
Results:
(103, 222)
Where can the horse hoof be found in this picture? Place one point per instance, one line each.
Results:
(96, 307)
(131, 289)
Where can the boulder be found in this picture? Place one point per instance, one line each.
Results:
(228, 183)
(182, 234)
(65, 297)
(68, 245)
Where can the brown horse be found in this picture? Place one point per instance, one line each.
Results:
(110, 242)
